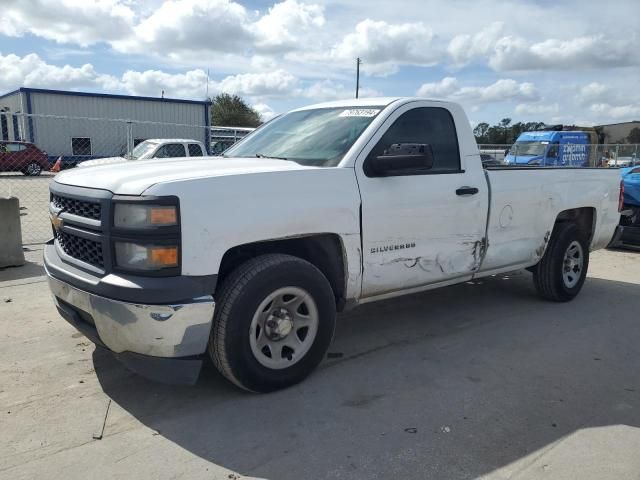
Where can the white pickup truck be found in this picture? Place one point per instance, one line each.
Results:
(248, 257)
(154, 148)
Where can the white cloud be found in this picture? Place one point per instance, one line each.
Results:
(189, 30)
(191, 84)
(190, 27)
(278, 82)
(67, 21)
(384, 47)
(442, 89)
(463, 48)
(630, 111)
(505, 89)
(593, 92)
(32, 71)
(265, 111)
(597, 51)
(285, 24)
(537, 109)
(505, 52)
(327, 90)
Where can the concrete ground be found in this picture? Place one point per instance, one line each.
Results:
(480, 380)
(33, 193)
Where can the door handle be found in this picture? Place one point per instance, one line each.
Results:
(467, 191)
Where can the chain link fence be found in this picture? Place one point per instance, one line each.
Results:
(31, 146)
(572, 155)
(34, 147)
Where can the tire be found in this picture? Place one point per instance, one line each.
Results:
(561, 272)
(250, 334)
(33, 169)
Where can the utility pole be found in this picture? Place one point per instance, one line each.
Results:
(207, 84)
(358, 62)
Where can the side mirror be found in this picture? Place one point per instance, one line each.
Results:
(401, 159)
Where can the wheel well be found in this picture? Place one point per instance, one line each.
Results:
(325, 251)
(584, 218)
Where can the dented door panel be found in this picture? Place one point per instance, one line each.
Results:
(416, 230)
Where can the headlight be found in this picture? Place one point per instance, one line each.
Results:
(135, 215)
(133, 256)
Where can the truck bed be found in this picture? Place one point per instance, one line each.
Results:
(525, 202)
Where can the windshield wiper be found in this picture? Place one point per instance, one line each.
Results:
(261, 155)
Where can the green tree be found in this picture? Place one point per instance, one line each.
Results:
(480, 132)
(634, 135)
(504, 132)
(233, 111)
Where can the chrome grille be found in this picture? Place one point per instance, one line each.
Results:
(82, 249)
(77, 207)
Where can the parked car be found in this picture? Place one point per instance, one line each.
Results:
(629, 230)
(155, 148)
(22, 157)
(247, 257)
(623, 162)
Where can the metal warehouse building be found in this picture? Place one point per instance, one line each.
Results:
(617, 132)
(80, 125)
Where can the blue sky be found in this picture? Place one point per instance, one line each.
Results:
(559, 62)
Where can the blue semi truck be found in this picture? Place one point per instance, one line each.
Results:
(551, 148)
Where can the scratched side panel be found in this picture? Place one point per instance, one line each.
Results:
(525, 204)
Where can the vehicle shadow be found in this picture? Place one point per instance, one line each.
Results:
(452, 383)
(28, 270)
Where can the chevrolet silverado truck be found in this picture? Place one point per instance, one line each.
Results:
(246, 258)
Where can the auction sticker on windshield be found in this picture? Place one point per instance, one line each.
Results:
(360, 112)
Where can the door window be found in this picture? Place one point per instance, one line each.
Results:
(195, 150)
(15, 147)
(171, 150)
(426, 125)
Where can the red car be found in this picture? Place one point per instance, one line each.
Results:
(22, 157)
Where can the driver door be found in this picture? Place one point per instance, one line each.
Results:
(427, 227)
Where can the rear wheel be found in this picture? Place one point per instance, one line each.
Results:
(33, 169)
(274, 321)
(561, 272)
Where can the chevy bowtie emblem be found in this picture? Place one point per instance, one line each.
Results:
(56, 221)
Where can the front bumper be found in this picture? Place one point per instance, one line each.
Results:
(162, 342)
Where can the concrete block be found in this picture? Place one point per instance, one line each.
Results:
(11, 254)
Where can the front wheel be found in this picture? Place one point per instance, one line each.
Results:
(33, 169)
(274, 321)
(561, 272)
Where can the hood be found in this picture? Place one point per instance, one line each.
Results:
(102, 161)
(133, 178)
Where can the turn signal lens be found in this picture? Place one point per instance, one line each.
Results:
(163, 216)
(164, 256)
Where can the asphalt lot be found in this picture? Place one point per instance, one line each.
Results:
(479, 380)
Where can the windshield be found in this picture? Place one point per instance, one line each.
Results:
(528, 148)
(318, 137)
(142, 149)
